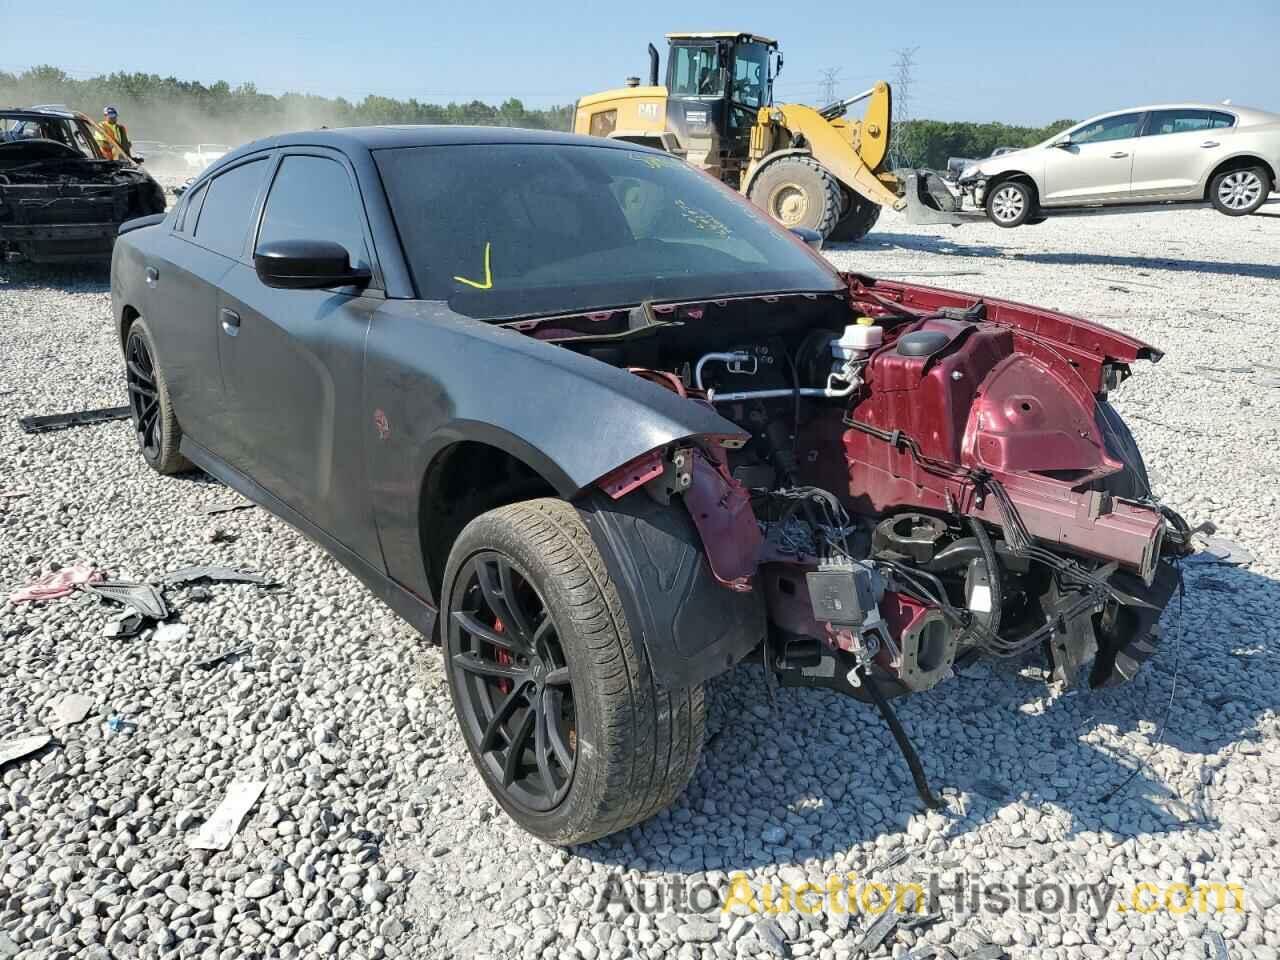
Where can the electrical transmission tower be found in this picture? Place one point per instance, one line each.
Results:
(830, 81)
(901, 147)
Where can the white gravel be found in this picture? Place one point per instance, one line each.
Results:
(375, 838)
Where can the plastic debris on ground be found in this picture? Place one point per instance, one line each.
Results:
(218, 831)
(78, 418)
(126, 625)
(59, 583)
(220, 574)
(72, 708)
(171, 633)
(19, 747)
(118, 724)
(142, 597)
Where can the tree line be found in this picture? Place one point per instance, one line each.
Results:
(186, 111)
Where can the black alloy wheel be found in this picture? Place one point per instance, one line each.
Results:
(144, 396)
(515, 694)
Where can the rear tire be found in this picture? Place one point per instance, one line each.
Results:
(1239, 192)
(615, 749)
(1010, 203)
(857, 220)
(798, 192)
(151, 411)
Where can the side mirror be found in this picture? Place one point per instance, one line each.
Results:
(1063, 143)
(812, 237)
(307, 265)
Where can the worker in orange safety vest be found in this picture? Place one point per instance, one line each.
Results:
(113, 138)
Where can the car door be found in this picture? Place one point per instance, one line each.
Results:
(208, 232)
(1176, 151)
(292, 359)
(1095, 164)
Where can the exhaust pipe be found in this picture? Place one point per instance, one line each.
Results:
(653, 65)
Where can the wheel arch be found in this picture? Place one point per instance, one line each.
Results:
(1018, 175)
(1239, 162)
(475, 471)
(127, 316)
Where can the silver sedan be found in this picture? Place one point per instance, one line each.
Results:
(1169, 153)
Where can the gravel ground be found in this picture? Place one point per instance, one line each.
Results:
(375, 838)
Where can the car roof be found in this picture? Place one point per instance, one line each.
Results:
(1249, 115)
(422, 135)
(37, 113)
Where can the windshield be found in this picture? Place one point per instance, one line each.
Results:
(510, 230)
(751, 74)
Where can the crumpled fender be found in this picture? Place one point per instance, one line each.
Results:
(434, 379)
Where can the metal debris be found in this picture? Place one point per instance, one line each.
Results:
(878, 931)
(230, 507)
(210, 662)
(21, 747)
(221, 574)
(79, 418)
(218, 831)
(1219, 550)
(142, 597)
(1217, 944)
(72, 708)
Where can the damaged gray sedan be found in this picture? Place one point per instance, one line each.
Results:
(61, 199)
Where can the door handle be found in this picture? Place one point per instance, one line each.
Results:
(230, 321)
(1119, 155)
(152, 276)
(1211, 143)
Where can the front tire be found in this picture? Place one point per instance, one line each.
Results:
(154, 423)
(857, 220)
(1011, 203)
(553, 694)
(798, 192)
(1238, 193)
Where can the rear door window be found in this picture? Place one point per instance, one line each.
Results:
(1187, 121)
(228, 206)
(312, 198)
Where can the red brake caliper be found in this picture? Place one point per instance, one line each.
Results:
(503, 657)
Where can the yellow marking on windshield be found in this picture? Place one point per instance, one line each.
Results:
(488, 274)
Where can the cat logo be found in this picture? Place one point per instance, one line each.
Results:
(647, 111)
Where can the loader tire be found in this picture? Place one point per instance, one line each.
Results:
(798, 192)
(857, 220)
(541, 660)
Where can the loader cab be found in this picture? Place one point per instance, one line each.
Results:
(716, 83)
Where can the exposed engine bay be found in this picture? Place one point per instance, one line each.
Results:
(59, 200)
(926, 477)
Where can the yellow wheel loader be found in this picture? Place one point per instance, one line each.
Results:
(808, 168)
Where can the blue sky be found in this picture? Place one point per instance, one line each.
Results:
(1026, 62)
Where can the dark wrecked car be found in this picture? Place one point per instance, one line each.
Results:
(609, 430)
(61, 199)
